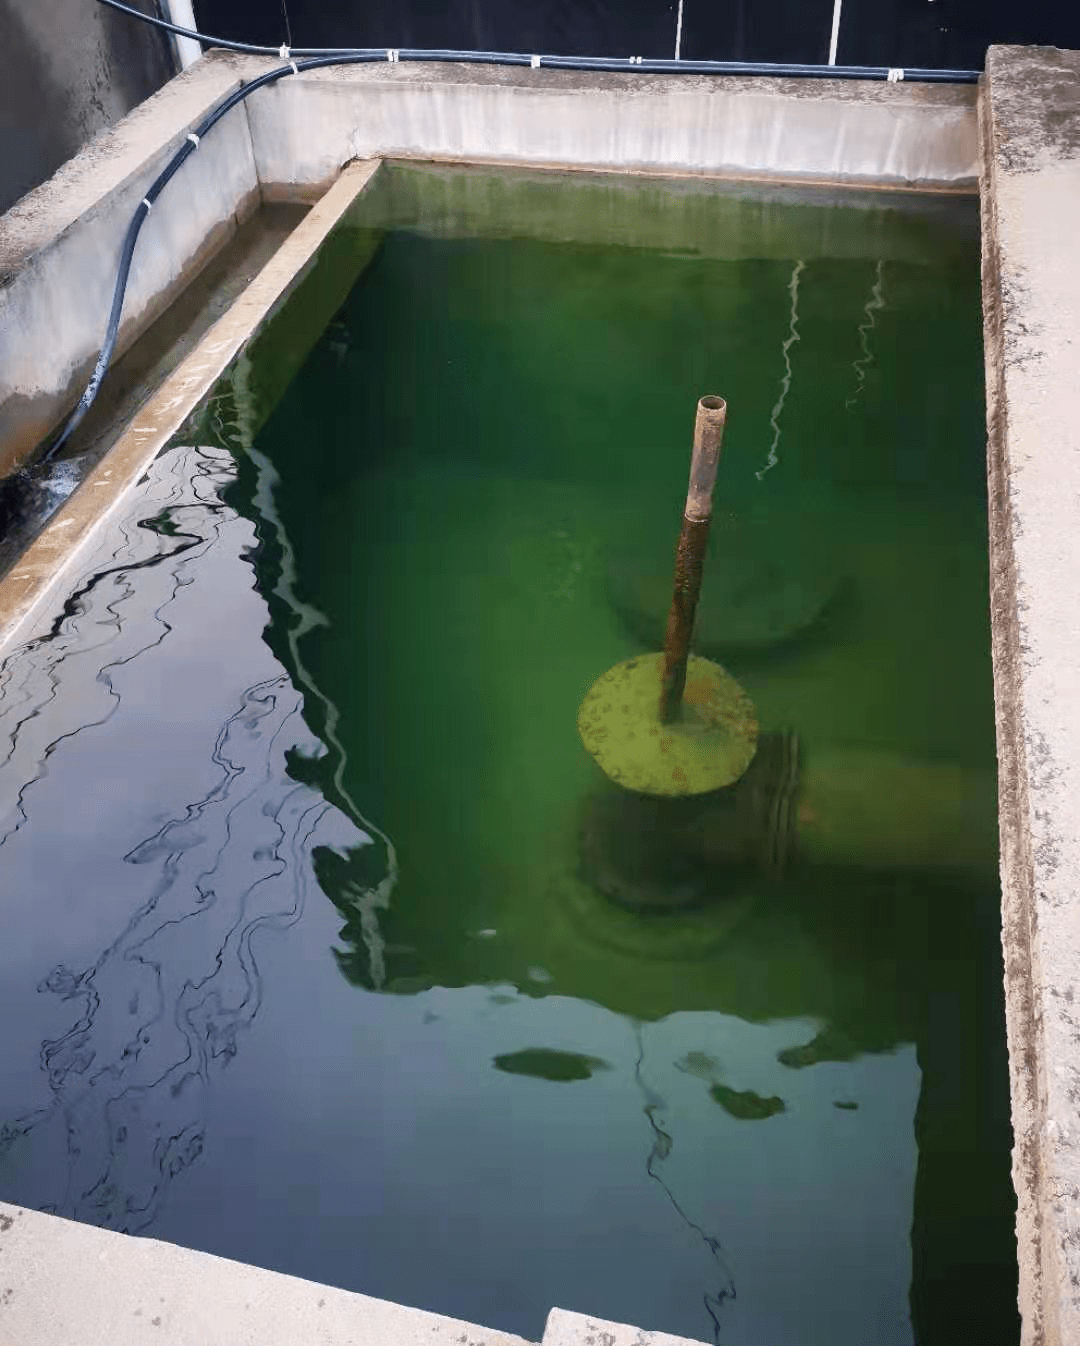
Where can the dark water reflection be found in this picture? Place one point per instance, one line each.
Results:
(123, 808)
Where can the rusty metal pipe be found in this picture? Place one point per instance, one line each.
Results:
(690, 552)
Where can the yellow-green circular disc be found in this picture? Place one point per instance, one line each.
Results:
(710, 745)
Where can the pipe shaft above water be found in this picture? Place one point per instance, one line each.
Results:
(690, 552)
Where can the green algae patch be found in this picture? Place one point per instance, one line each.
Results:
(550, 1064)
(708, 746)
(747, 1105)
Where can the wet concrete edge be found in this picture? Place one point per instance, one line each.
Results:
(46, 562)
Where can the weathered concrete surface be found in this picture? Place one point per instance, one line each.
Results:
(68, 71)
(59, 247)
(62, 1282)
(1031, 285)
(566, 1329)
(306, 127)
(45, 563)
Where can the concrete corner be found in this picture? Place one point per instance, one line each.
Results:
(62, 1282)
(565, 1328)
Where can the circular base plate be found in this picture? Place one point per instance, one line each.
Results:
(709, 746)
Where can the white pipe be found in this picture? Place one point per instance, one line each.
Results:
(181, 13)
(678, 33)
(835, 35)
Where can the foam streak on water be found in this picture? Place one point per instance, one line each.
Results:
(875, 302)
(785, 383)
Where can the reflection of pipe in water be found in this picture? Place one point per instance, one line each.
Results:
(785, 383)
(875, 302)
(661, 1149)
(241, 430)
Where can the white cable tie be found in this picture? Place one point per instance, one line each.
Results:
(635, 60)
(392, 55)
(193, 138)
(148, 204)
(534, 61)
(895, 75)
(283, 52)
(295, 68)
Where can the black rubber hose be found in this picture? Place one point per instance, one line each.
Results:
(653, 66)
(662, 66)
(142, 210)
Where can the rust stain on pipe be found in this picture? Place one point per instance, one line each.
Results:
(690, 552)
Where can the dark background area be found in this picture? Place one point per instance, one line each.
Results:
(68, 69)
(935, 33)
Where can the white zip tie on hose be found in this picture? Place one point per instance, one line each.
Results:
(286, 55)
(534, 61)
(895, 75)
(634, 60)
(148, 204)
(393, 55)
(193, 138)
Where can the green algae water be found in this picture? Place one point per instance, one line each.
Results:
(510, 1040)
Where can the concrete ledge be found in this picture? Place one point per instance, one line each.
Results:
(1031, 287)
(45, 562)
(567, 1329)
(60, 245)
(62, 1282)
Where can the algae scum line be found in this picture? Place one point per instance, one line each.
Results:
(376, 977)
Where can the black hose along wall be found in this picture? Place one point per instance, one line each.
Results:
(939, 34)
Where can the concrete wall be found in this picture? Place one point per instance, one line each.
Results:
(900, 134)
(59, 247)
(67, 71)
(1031, 296)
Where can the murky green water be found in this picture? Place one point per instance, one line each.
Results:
(475, 1083)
